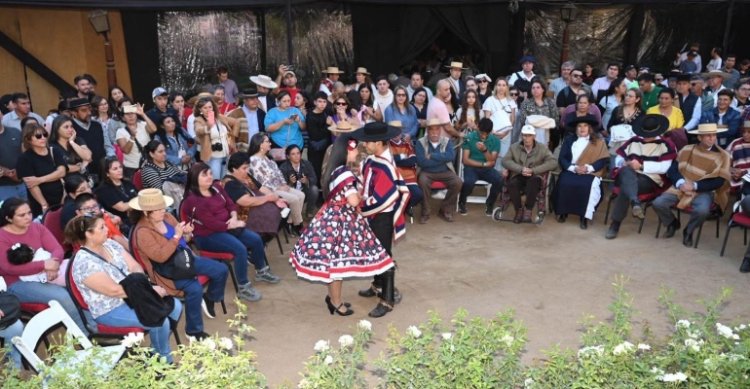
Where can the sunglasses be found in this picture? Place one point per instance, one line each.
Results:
(340, 103)
(481, 81)
(514, 94)
(40, 135)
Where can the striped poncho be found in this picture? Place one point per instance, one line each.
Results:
(656, 156)
(384, 190)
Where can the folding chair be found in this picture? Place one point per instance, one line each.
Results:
(646, 199)
(135, 251)
(138, 179)
(738, 219)
(46, 320)
(714, 213)
(485, 184)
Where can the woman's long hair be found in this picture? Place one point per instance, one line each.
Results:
(465, 106)
(255, 142)
(370, 101)
(162, 133)
(613, 85)
(336, 158)
(191, 186)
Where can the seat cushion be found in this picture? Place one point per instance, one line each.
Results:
(216, 255)
(742, 219)
(104, 329)
(33, 307)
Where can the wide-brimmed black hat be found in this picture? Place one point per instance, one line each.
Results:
(79, 102)
(375, 131)
(651, 125)
(588, 118)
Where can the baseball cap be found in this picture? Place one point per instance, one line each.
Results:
(158, 91)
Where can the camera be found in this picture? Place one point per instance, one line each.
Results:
(217, 147)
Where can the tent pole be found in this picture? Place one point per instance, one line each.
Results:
(289, 54)
(728, 26)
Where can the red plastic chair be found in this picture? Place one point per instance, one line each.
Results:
(203, 280)
(226, 258)
(138, 179)
(52, 219)
(102, 331)
(738, 219)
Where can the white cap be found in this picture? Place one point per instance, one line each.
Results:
(528, 130)
(158, 91)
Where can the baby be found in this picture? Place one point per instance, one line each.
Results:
(21, 253)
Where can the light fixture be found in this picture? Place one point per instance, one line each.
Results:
(568, 12)
(99, 21)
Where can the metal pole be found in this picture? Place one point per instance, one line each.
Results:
(728, 27)
(289, 54)
(109, 58)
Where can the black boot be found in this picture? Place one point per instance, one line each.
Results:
(745, 267)
(374, 289)
(672, 228)
(614, 228)
(386, 303)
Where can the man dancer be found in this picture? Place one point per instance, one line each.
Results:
(385, 196)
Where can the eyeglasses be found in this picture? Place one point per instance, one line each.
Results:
(514, 94)
(342, 103)
(93, 208)
(40, 135)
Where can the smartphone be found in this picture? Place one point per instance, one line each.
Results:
(130, 109)
(294, 116)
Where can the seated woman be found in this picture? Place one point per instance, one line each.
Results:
(179, 146)
(209, 208)
(74, 150)
(582, 108)
(115, 192)
(161, 174)
(42, 168)
(75, 185)
(300, 175)
(16, 226)
(583, 159)
(158, 236)
(257, 205)
(98, 269)
(269, 175)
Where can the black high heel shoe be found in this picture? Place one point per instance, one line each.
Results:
(332, 308)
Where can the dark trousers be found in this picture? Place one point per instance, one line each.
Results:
(415, 194)
(451, 181)
(631, 185)
(473, 174)
(745, 206)
(382, 226)
(316, 159)
(529, 186)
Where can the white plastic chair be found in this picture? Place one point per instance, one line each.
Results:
(49, 318)
(474, 199)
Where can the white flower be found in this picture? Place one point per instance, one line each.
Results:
(725, 331)
(742, 327)
(346, 341)
(192, 339)
(446, 335)
(321, 346)
(591, 350)
(693, 344)
(208, 342)
(226, 343)
(303, 384)
(132, 339)
(676, 377)
(643, 346)
(657, 371)
(414, 331)
(682, 324)
(528, 383)
(365, 325)
(328, 360)
(623, 348)
(507, 339)
(694, 334)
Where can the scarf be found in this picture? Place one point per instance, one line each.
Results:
(592, 153)
(697, 163)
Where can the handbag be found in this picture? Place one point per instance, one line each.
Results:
(11, 307)
(180, 266)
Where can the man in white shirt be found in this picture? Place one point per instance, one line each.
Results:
(523, 77)
(601, 84)
(559, 83)
(631, 75)
(715, 83)
(457, 83)
(383, 97)
(415, 83)
(682, 56)
(264, 85)
(332, 75)
(22, 110)
(715, 62)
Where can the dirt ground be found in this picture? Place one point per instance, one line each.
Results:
(550, 274)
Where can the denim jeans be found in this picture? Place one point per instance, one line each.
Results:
(238, 246)
(217, 274)
(8, 191)
(701, 208)
(218, 167)
(37, 292)
(488, 174)
(15, 329)
(124, 316)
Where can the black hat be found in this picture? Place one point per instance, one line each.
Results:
(630, 67)
(249, 92)
(588, 118)
(375, 131)
(79, 102)
(684, 77)
(651, 125)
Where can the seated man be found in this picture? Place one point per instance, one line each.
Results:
(739, 151)
(435, 155)
(480, 151)
(725, 118)
(406, 163)
(525, 162)
(698, 172)
(642, 164)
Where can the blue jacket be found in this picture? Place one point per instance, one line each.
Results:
(732, 119)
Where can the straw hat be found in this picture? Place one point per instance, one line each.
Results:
(342, 127)
(332, 70)
(540, 121)
(264, 81)
(716, 73)
(707, 129)
(362, 70)
(395, 123)
(434, 122)
(151, 199)
(456, 65)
